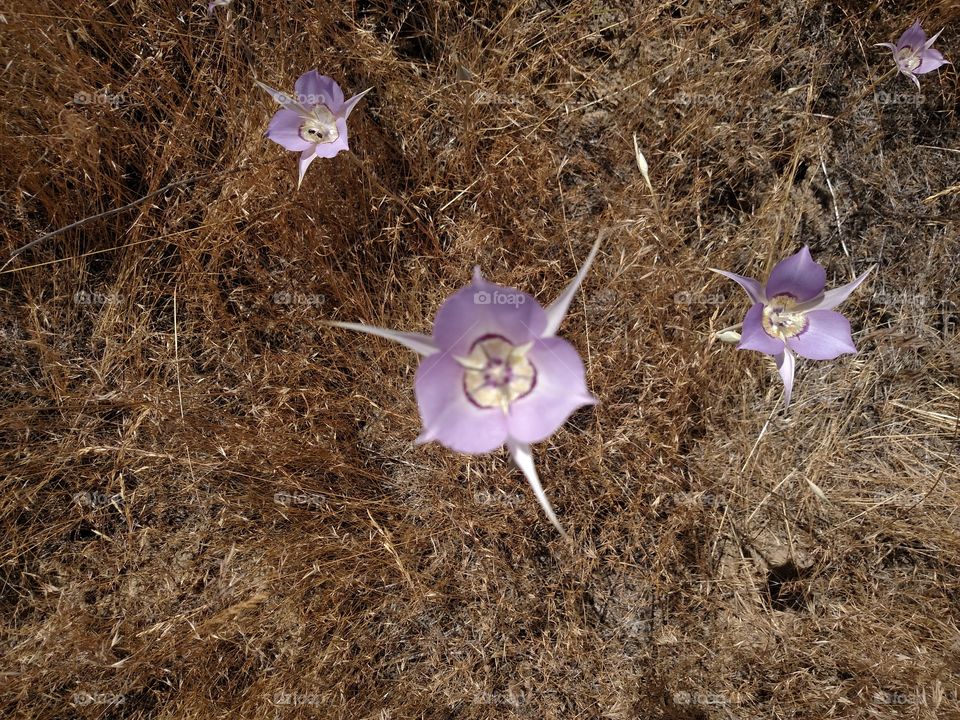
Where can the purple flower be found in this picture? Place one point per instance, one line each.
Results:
(314, 122)
(494, 372)
(793, 314)
(914, 54)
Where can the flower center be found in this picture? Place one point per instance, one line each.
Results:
(320, 126)
(497, 372)
(908, 58)
(780, 320)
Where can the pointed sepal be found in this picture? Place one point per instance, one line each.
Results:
(419, 343)
(350, 104)
(558, 310)
(786, 366)
(523, 457)
(288, 102)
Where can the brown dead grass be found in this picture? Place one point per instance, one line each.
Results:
(212, 506)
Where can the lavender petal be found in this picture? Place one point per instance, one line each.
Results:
(752, 287)
(560, 390)
(448, 415)
(798, 276)
(754, 337)
(826, 336)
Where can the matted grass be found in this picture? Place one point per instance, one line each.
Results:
(211, 503)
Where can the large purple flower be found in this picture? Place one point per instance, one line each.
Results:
(494, 372)
(793, 314)
(913, 53)
(314, 121)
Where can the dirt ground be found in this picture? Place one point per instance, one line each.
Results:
(212, 505)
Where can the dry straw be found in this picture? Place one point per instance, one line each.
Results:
(211, 504)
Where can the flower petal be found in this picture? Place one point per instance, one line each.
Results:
(930, 61)
(913, 77)
(560, 389)
(417, 342)
(831, 298)
(306, 157)
(288, 102)
(312, 88)
(330, 149)
(448, 416)
(284, 129)
(798, 276)
(914, 37)
(350, 104)
(754, 337)
(483, 308)
(932, 40)
(751, 286)
(523, 457)
(826, 336)
(558, 309)
(786, 366)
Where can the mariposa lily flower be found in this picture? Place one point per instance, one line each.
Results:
(494, 372)
(314, 121)
(913, 53)
(793, 314)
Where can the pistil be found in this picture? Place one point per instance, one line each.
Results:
(319, 126)
(497, 373)
(780, 318)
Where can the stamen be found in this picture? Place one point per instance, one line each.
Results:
(320, 126)
(909, 59)
(496, 372)
(781, 320)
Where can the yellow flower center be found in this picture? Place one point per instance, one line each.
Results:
(320, 126)
(497, 373)
(780, 320)
(908, 58)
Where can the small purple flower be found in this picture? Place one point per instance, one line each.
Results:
(793, 314)
(314, 122)
(494, 372)
(914, 54)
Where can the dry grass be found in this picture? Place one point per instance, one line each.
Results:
(211, 503)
